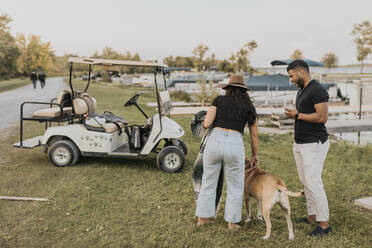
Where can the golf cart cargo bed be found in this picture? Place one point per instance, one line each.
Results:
(29, 143)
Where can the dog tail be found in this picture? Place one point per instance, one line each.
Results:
(290, 193)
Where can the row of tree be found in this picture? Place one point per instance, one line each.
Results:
(239, 61)
(330, 60)
(20, 55)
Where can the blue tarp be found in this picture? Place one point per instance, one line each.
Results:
(288, 61)
(274, 82)
(170, 69)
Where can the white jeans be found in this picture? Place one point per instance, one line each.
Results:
(223, 148)
(309, 160)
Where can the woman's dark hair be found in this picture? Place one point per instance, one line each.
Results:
(246, 109)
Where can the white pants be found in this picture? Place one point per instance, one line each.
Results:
(309, 160)
(223, 148)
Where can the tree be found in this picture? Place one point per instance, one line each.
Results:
(297, 54)
(4, 22)
(239, 60)
(200, 51)
(207, 91)
(179, 61)
(330, 60)
(211, 61)
(110, 53)
(35, 54)
(169, 61)
(226, 66)
(9, 52)
(363, 41)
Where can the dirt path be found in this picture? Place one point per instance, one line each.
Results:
(10, 101)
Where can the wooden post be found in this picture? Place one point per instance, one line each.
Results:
(360, 101)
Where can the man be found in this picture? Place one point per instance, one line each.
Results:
(33, 78)
(311, 142)
(42, 77)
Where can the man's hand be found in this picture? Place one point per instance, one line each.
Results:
(290, 113)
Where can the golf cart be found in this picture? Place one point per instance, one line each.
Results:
(83, 132)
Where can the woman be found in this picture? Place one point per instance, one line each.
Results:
(225, 146)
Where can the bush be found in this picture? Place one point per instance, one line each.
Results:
(206, 93)
(181, 95)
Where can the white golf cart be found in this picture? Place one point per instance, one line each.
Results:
(82, 132)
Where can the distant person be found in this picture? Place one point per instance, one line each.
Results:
(311, 143)
(33, 78)
(42, 77)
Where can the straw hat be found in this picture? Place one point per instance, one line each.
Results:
(236, 81)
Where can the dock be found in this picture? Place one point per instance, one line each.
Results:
(182, 109)
(333, 126)
(347, 126)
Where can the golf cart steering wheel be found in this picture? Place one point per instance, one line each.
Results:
(132, 100)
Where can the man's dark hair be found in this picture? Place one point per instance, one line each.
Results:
(298, 63)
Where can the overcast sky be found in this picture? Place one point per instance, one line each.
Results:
(158, 28)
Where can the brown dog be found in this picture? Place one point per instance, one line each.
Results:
(267, 190)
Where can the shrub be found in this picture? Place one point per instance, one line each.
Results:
(181, 95)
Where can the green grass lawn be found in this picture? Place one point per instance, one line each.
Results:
(106, 202)
(13, 84)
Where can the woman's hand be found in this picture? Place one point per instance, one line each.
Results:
(254, 160)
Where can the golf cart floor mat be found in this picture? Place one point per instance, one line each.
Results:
(30, 143)
(122, 149)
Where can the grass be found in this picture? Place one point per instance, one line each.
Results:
(106, 202)
(13, 84)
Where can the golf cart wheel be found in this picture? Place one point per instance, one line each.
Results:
(171, 159)
(63, 153)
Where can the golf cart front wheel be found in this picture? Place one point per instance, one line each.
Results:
(171, 159)
(63, 153)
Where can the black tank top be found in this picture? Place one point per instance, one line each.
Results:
(227, 115)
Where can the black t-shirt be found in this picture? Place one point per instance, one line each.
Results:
(309, 132)
(227, 115)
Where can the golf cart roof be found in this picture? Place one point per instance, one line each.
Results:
(111, 62)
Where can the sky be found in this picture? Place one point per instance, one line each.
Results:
(157, 29)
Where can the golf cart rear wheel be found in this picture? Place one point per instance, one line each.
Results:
(171, 159)
(63, 153)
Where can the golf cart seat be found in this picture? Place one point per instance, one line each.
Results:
(105, 127)
(107, 122)
(82, 104)
(64, 107)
